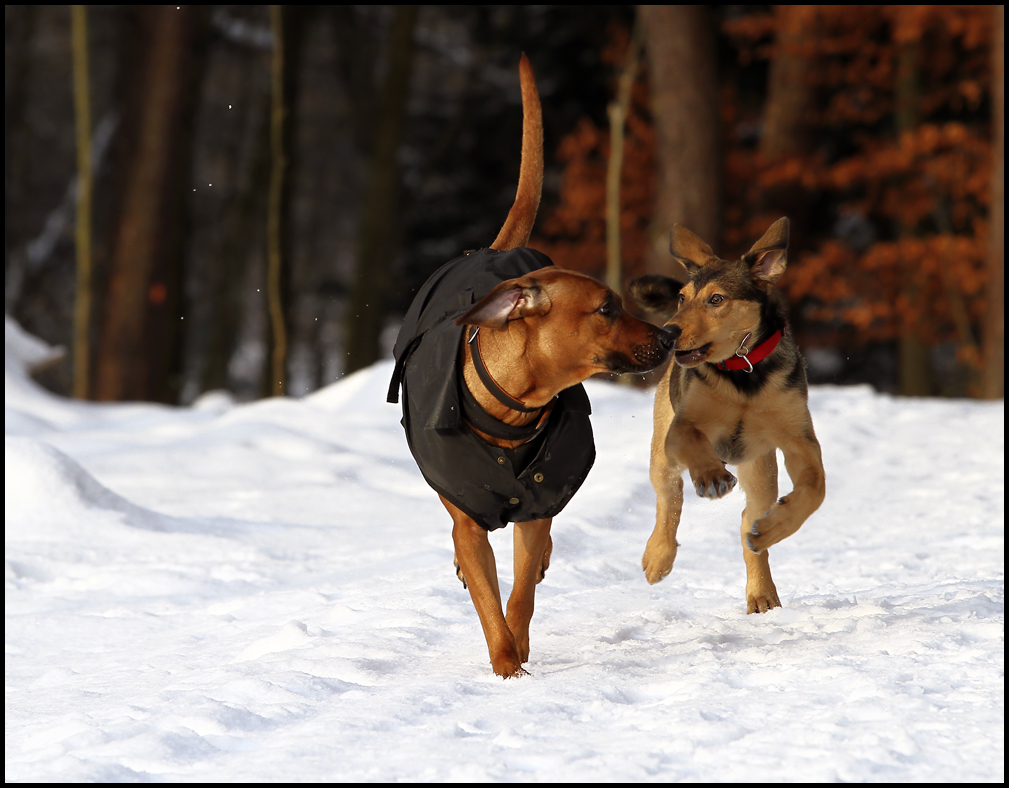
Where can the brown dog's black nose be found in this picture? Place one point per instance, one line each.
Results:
(668, 335)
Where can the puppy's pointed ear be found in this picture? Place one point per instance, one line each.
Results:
(768, 257)
(690, 250)
(510, 300)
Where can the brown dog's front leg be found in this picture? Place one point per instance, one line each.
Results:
(532, 555)
(476, 560)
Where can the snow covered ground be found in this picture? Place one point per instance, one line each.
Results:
(265, 592)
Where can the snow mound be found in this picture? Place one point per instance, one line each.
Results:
(46, 491)
(24, 352)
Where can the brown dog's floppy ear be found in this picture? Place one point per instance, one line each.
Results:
(690, 250)
(656, 292)
(768, 257)
(511, 300)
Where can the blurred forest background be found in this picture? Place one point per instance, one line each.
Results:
(246, 197)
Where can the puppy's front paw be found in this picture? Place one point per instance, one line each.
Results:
(658, 559)
(714, 483)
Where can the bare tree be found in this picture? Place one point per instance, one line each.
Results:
(680, 44)
(241, 235)
(366, 308)
(618, 110)
(82, 113)
(914, 368)
(993, 372)
(785, 123)
(279, 149)
(139, 350)
(19, 28)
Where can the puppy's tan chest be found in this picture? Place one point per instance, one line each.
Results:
(737, 430)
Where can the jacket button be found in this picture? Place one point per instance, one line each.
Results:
(500, 460)
(538, 477)
(513, 501)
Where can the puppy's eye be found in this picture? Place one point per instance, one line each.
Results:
(716, 299)
(681, 298)
(606, 309)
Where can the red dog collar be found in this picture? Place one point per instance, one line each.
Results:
(745, 358)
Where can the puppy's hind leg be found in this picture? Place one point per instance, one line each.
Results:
(759, 480)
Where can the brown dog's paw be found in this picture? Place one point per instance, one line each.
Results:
(658, 560)
(508, 666)
(713, 484)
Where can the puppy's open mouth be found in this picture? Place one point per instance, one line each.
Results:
(687, 358)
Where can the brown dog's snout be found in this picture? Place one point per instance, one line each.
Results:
(648, 354)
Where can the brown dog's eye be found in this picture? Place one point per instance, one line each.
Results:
(606, 309)
(716, 299)
(681, 299)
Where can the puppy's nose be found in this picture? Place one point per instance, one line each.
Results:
(668, 336)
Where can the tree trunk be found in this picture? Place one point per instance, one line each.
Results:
(19, 29)
(227, 282)
(140, 348)
(993, 371)
(618, 110)
(288, 24)
(82, 220)
(683, 73)
(276, 214)
(914, 368)
(785, 127)
(366, 307)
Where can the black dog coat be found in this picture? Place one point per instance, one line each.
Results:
(493, 486)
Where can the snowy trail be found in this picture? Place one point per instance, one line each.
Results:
(265, 592)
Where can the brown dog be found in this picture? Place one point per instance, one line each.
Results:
(490, 359)
(734, 393)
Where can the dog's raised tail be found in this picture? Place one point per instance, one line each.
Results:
(519, 224)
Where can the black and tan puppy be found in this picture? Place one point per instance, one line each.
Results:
(735, 392)
(490, 360)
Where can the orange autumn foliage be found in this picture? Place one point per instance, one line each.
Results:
(922, 194)
(919, 197)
